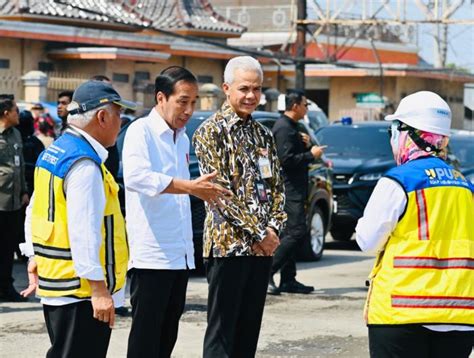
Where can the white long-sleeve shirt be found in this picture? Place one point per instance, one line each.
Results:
(159, 225)
(85, 204)
(387, 203)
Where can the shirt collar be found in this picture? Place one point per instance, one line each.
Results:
(161, 125)
(231, 118)
(99, 148)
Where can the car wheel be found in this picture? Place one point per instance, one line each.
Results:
(314, 245)
(342, 234)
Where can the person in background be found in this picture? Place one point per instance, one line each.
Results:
(127, 116)
(64, 98)
(13, 193)
(46, 132)
(419, 222)
(295, 153)
(37, 110)
(242, 235)
(32, 148)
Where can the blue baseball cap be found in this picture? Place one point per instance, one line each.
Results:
(93, 94)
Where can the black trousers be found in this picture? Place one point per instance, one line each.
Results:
(158, 298)
(10, 224)
(416, 341)
(74, 332)
(237, 292)
(292, 237)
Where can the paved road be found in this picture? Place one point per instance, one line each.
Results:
(327, 323)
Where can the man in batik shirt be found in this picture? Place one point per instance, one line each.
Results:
(240, 235)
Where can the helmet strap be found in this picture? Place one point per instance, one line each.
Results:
(421, 143)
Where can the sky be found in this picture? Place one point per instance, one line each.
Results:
(461, 37)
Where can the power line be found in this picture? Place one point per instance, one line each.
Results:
(283, 58)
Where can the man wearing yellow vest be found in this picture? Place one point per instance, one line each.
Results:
(75, 230)
(419, 221)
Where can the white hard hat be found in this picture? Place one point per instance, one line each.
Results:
(425, 111)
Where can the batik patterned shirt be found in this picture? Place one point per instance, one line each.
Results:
(233, 147)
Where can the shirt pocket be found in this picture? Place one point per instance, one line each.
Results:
(6, 180)
(6, 153)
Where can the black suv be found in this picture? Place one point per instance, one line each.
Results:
(461, 144)
(319, 200)
(360, 154)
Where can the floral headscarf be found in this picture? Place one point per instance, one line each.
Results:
(405, 149)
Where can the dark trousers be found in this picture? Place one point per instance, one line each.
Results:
(416, 341)
(10, 227)
(74, 332)
(237, 292)
(292, 237)
(158, 298)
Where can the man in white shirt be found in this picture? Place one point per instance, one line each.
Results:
(155, 166)
(75, 230)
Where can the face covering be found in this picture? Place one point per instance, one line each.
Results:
(404, 148)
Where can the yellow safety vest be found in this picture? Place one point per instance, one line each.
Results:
(57, 276)
(425, 275)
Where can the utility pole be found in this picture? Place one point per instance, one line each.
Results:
(300, 45)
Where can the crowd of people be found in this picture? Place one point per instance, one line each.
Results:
(252, 181)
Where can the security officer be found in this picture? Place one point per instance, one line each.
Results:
(295, 153)
(76, 229)
(13, 193)
(419, 221)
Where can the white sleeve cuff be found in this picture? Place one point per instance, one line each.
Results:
(163, 182)
(26, 249)
(90, 273)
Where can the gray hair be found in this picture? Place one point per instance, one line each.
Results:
(81, 120)
(245, 63)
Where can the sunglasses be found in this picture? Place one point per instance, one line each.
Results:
(398, 126)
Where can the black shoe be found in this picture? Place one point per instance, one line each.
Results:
(122, 311)
(10, 295)
(295, 287)
(272, 288)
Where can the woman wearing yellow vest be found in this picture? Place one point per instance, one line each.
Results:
(419, 222)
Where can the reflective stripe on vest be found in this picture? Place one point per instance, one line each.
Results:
(52, 252)
(109, 253)
(433, 302)
(423, 227)
(51, 199)
(65, 284)
(433, 262)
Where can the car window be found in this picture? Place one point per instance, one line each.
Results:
(355, 140)
(463, 148)
(317, 119)
(194, 122)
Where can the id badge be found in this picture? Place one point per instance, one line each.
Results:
(17, 160)
(264, 167)
(261, 192)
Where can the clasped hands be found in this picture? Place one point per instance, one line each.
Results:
(268, 245)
